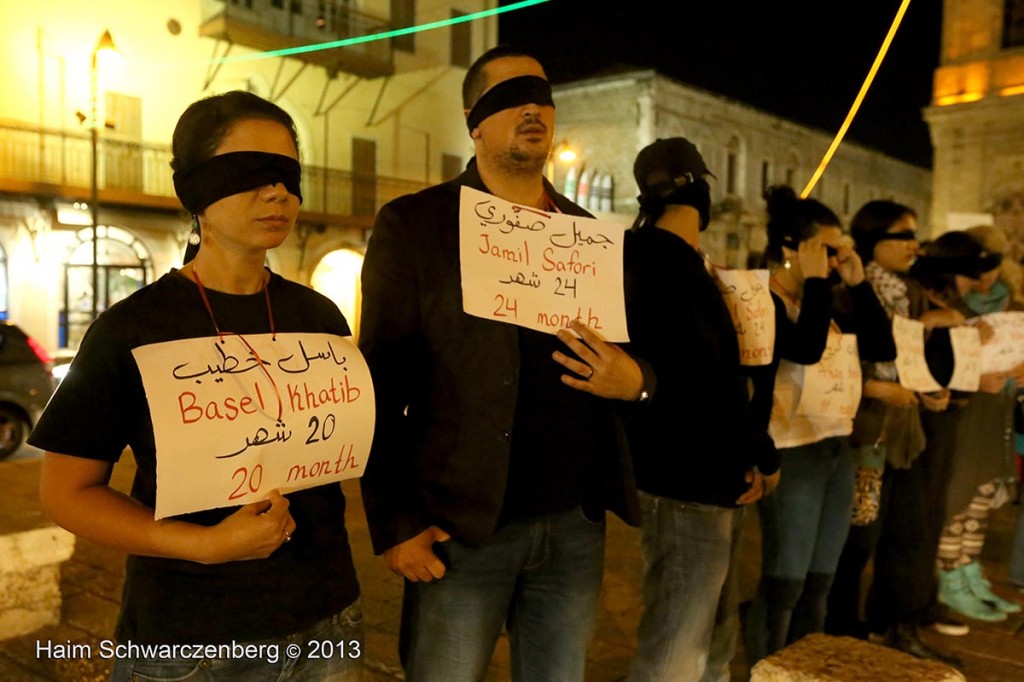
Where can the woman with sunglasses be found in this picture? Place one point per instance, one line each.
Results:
(894, 426)
(804, 522)
(273, 575)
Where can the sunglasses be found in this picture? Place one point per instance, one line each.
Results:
(830, 251)
(904, 236)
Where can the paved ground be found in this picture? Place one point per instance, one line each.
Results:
(92, 582)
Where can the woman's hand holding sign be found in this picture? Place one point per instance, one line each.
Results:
(253, 532)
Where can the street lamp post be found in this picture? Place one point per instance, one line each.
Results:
(104, 45)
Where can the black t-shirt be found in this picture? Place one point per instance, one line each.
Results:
(100, 408)
(557, 434)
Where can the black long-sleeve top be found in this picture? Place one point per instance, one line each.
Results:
(856, 310)
(697, 439)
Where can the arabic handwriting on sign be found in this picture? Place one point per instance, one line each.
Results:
(307, 358)
(228, 364)
(577, 237)
(535, 226)
(520, 278)
(836, 388)
(485, 211)
(262, 437)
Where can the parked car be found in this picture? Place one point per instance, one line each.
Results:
(26, 384)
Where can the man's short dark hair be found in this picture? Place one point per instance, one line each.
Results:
(475, 81)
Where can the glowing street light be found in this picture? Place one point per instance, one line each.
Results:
(564, 153)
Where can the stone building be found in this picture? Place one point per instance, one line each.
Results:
(375, 119)
(976, 117)
(608, 119)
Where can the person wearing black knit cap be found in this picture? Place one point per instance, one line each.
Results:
(697, 452)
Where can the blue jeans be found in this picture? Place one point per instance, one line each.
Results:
(540, 578)
(331, 650)
(727, 618)
(686, 548)
(804, 525)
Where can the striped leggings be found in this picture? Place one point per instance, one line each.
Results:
(964, 536)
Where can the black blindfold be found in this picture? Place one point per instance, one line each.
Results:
(224, 175)
(514, 92)
(968, 266)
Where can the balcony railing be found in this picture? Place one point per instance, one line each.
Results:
(55, 163)
(279, 24)
(64, 159)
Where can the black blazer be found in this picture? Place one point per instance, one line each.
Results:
(446, 383)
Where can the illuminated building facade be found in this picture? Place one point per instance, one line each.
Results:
(976, 117)
(376, 120)
(607, 120)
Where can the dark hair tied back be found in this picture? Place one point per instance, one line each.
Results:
(792, 220)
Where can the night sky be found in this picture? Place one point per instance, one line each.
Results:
(801, 59)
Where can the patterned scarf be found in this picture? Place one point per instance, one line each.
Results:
(892, 292)
(890, 289)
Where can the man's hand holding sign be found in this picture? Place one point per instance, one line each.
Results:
(551, 272)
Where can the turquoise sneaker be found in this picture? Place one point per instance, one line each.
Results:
(982, 589)
(955, 593)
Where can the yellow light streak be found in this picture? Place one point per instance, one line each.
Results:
(857, 101)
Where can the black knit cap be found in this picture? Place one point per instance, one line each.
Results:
(671, 171)
(666, 165)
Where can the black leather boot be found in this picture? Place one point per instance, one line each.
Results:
(903, 637)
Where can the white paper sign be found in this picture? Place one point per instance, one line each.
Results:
(910, 362)
(236, 419)
(832, 386)
(966, 342)
(1005, 349)
(540, 270)
(750, 304)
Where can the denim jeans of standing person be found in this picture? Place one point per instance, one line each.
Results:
(686, 548)
(539, 578)
(330, 651)
(804, 524)
(727, 618)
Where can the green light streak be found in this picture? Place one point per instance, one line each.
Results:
(302, 49)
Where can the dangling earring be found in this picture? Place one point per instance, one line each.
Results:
(787, 264)
(194, 237)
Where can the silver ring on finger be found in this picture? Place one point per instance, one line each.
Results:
(287, 536)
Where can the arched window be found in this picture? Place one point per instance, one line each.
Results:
(336, 276)
(1013, 24)
(732, 167)
(123, 265)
